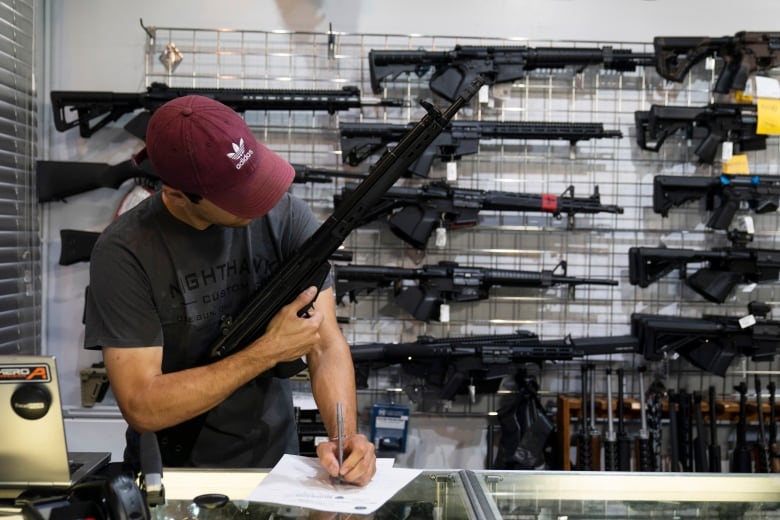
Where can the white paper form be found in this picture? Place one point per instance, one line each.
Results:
(303, 482)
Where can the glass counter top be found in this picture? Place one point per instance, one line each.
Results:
(608, 495)
(432, 495)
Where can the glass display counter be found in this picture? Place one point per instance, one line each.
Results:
(512, 495)
(440, 495)
(615, 495)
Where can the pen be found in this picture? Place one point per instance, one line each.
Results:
(340, 436)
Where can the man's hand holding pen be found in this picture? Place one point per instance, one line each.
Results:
(359, 460)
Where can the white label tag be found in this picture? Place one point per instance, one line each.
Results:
(483, 95)
(452, 171)
(765, 87)
(747, 321)
(727, 151)
(709, 63)
(444, 313)
(440, 237)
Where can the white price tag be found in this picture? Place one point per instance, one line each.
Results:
(483, 95)
(747, 321)
(440, 237)
(444, 313)
(727, 151)
(452, 171)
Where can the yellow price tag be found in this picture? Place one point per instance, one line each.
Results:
(737, 165)
(768, 116)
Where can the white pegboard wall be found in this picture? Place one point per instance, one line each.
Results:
(595, 248)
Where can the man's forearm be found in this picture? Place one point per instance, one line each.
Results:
(150, 402)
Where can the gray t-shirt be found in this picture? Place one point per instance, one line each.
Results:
(155, 280)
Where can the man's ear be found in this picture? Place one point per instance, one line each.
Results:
(174, 196)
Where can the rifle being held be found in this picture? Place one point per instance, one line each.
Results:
(743, 54)
(708, 127)
(455, 69)
(110, 106)
(709, 343)
(723, 195)
(453, 364)
(309, 266)
(359, 141)
(415, 213)
(438, 284)
(725, 267)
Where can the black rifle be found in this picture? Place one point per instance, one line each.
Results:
(455, 69)
(623, 440)
(711, 342)
(359, 141)
(309, 265)
(582, 440)
(610, 443)
(58, 180)
(444, 282)
(713, 450)
(706, 126)
(723, 195)
(774, 449)
(674, 434)
(413, 213)
(741, 461)
(645, 456)
(763, 463)
(451, 364)
(700, 463)
(110, 106)
(594, 434)
(726, 267)
(742, 55)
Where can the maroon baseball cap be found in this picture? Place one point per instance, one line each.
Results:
(200, 146)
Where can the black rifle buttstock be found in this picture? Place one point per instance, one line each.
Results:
(58, 180)
(670, 191)
(742, 54)
(707, 126)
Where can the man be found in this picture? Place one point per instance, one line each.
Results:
(164, 274)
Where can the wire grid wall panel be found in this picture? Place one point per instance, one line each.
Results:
(595, 246)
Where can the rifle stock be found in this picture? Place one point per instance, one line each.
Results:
(707, 126)
(726, 268)
(710, 343)
(743, 54)
(58, 180)
(723, 195)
